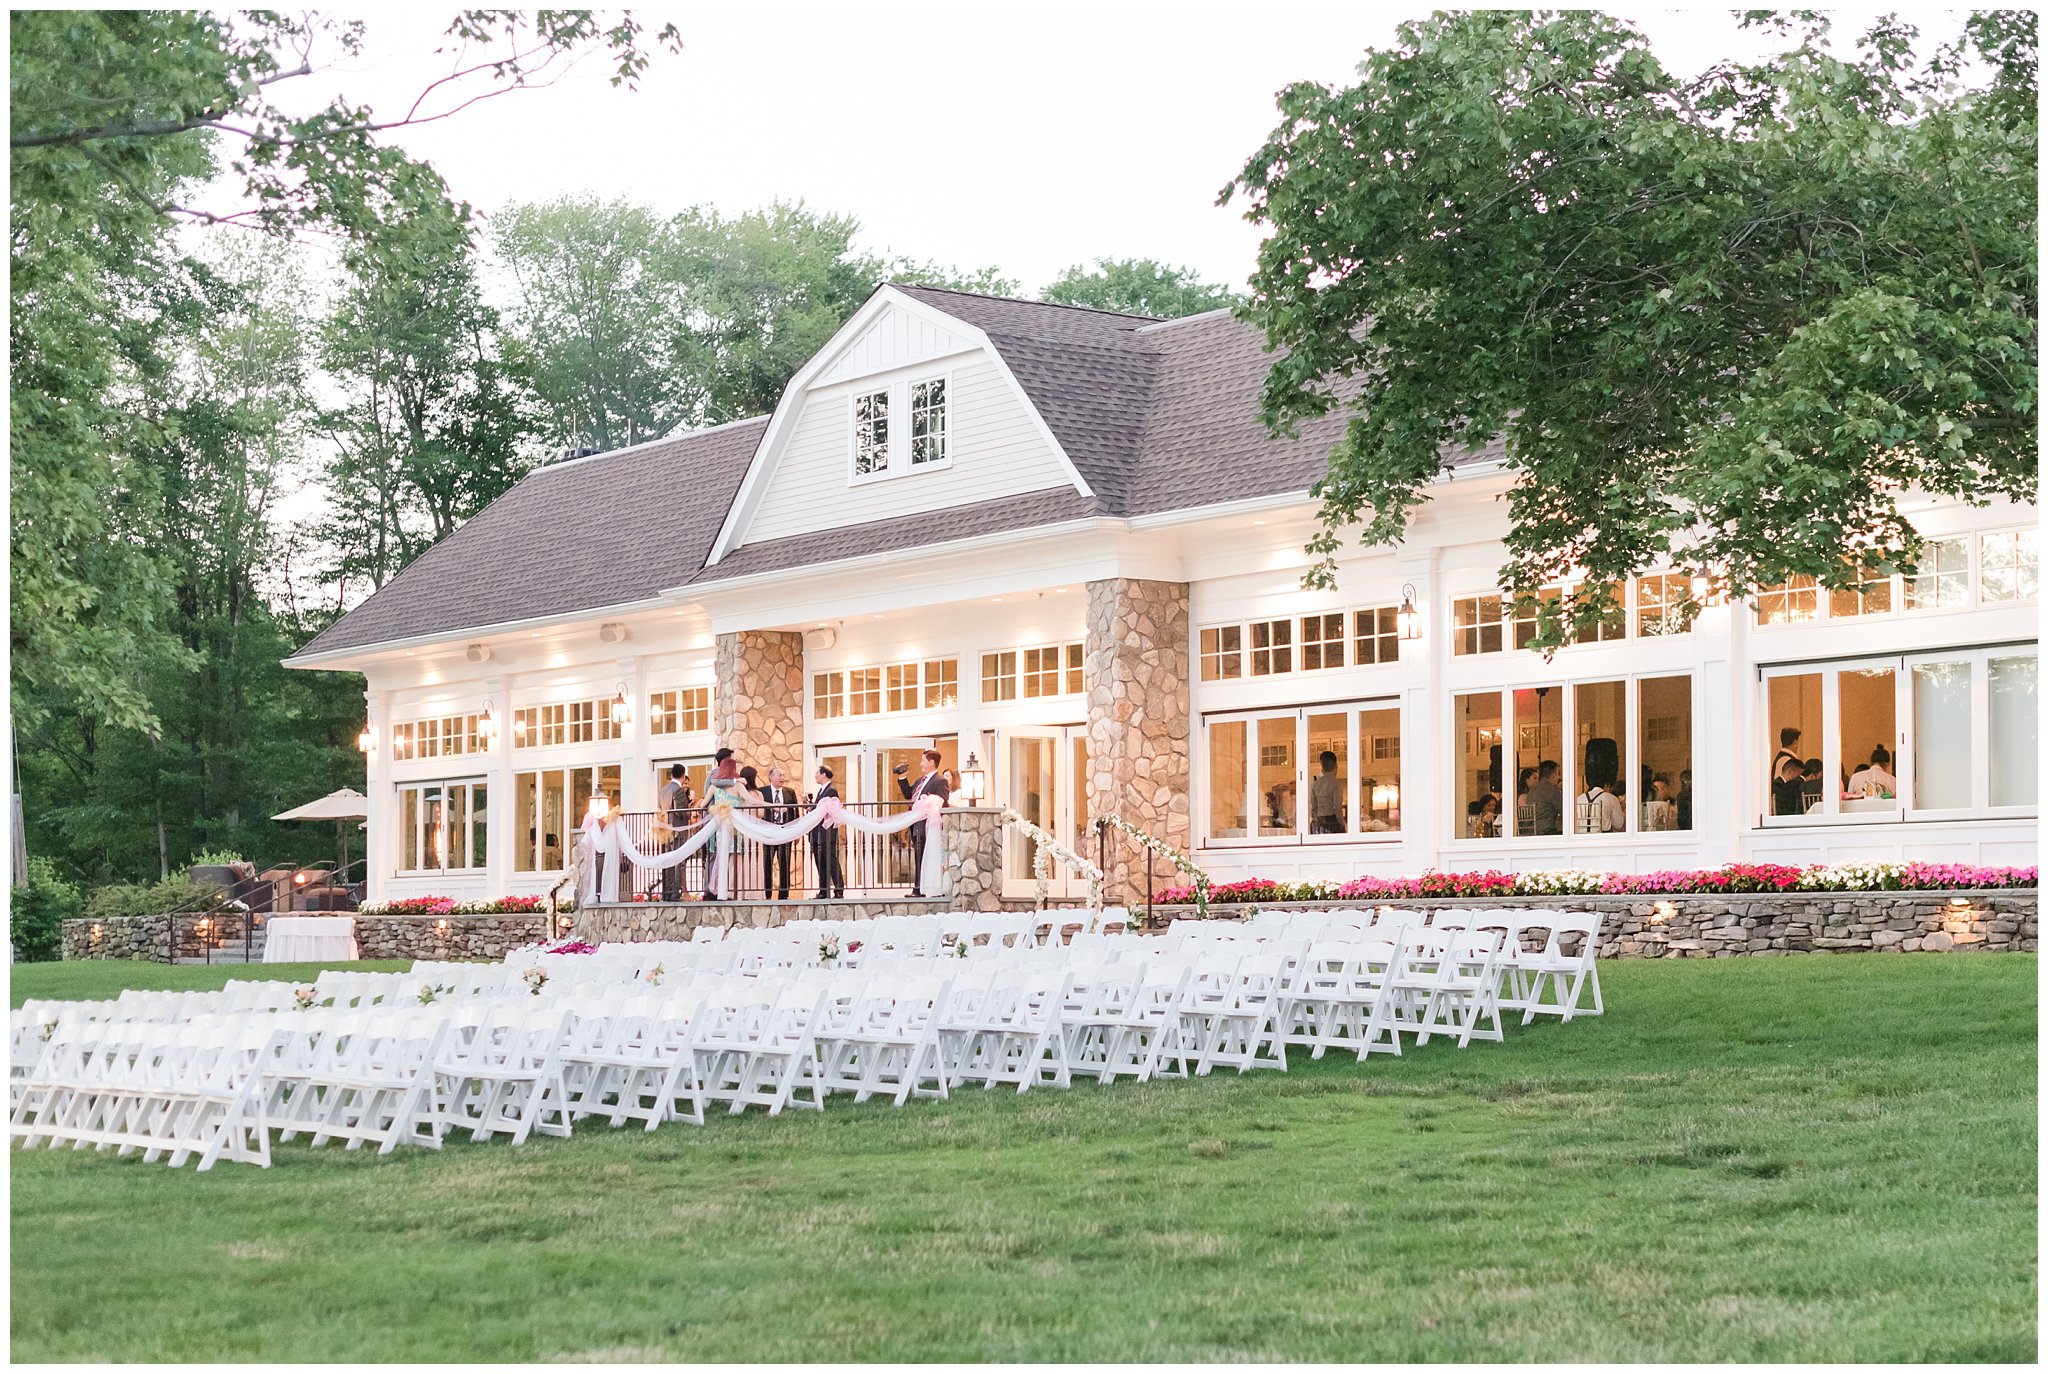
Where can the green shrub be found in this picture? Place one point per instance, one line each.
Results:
(175, 893)
(206, 858)
(39, 908)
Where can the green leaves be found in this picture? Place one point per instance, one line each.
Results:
(1139, 286)
(1720, 322)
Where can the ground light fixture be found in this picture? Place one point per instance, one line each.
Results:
(973, 780)
(1408, 618)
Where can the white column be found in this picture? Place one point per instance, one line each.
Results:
(1425, 761)
(498, 769)
(636, 777)
(377, 834)
(1724, 753)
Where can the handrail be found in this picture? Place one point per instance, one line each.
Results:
(862, 863)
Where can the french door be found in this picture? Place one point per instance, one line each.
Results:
(866, 776)
(1045, 780)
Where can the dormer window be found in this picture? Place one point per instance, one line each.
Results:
(870, 433)
(880, 450)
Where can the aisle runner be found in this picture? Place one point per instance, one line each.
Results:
(609, 840)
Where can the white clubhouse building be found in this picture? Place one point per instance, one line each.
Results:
(1061, 541)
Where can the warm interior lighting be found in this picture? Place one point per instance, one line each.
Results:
(1408, 618)
(973, 780)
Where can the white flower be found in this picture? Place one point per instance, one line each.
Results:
(536, 978)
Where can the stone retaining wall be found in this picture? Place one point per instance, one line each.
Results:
(448, 937)
(1763, 923)
(657, 921)
(148, 937)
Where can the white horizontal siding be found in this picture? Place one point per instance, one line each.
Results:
(995, 448)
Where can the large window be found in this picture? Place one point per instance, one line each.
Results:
(1308, 775)
(442, 826)
(548, 807)
(1600, 757)
(1839, 749)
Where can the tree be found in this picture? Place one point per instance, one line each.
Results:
(1721, 321)
(431, 429)
(602, 319)
(1139, 286)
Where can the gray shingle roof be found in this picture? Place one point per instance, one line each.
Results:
(578, 536)
(1157, 416)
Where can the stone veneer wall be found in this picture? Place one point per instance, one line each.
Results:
(1719, 926)
(447, 937)
(626, 924)
(148, 937)
(1140, 767)
(758, 698)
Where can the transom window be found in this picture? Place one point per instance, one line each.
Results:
(1222, 653)
(1870, 594)
(2010, 566)
(436, 737)
(1476, 625)
(933, 684)
(1665, 604)
(1322, 641)
(1041, 670)
(1376, 635)
(1272, 647)
(1944, 576)
(680, 710)
(1795, 599)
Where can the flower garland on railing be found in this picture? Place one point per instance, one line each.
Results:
(1181, 862)
(1046, 849)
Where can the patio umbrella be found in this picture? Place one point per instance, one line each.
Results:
(345, 805)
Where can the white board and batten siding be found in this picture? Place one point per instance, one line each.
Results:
(994, 447)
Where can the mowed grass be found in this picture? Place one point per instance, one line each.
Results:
(1807, 1159)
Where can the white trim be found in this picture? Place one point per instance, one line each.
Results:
(451, 635)
(893, 558)
(746, 501)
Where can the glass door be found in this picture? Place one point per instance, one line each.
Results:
(1310, 775)
(1045, 780)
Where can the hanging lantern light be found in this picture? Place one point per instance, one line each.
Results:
(366, 740)
(1408, 618)
(622, 710)
(487, 726)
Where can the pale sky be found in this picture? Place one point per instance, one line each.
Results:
(1027, 137)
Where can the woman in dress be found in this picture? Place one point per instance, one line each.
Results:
(724, 785)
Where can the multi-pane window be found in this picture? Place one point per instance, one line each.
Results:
(442, 826)
(928, 422)
(1040, 675)
(870, 433)
(679, 710)
(2010, 566)
(1476, 625)
(1944, 576)
(436, 737)
(583, 721)
(863, 691)
(1526, 614)
(1793, 600)
(1272, 647)
(941, 684)
(999, 676)
(1322, 641)
(1613, 622)
(1075, 676)
(1870, 594)
(539, 726)
(1222, 653)
(828, 695)
(1664, 604)
(899, 686)
(1376, 635)
(401, 742)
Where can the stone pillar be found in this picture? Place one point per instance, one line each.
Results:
(1139, 759)
(757, 702)
(974, 857)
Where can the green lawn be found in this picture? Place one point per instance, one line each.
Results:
(1807, 1159)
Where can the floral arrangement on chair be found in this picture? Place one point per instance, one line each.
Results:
(434, 992)
(305, 999)
(535, 979)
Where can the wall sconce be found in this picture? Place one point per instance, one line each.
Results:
(1959, 903)
(1408, 618)
(1660, 912)
(366, 740)
(96, 932)
(622, 709)
(487, 726)
(441, 928)
(973, 780)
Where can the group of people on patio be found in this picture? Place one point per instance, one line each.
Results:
(773, 800)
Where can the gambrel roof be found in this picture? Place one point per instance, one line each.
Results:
(1154, 416)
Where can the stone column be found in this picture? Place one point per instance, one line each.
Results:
(757, 703)
(974, 856)
(1139, 760)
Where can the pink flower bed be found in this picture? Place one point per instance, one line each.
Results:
(1910, 877)
(571, 947)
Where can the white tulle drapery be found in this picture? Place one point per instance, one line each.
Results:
(609, 842)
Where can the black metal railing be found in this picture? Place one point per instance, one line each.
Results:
(839, 861)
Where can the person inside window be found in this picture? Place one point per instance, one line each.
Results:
(1810, 782)
(1482, 818)
(1600, 810)
(1326, 798)
(1546, 801)
(1788, 743)
(1874, 779)
(1683, 801)
(1788, 788)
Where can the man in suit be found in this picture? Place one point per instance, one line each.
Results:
(778, 807)
(825, 844)
(673, 803)
(931, 784)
